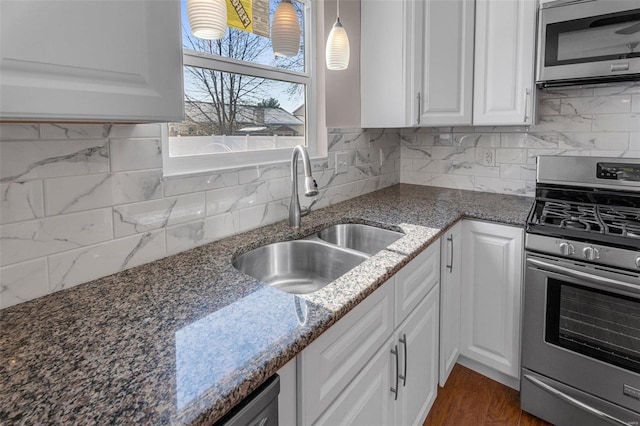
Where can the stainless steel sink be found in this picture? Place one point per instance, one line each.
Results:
(364, 238)
(300, 266)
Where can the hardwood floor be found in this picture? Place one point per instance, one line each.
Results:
(471, 399)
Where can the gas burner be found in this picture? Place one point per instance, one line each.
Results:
(574, 223)
(570, 216)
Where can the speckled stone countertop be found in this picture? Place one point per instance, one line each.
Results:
(184, 339)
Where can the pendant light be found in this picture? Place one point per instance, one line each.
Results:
(285, 30)
(207, 18)
(337, 53)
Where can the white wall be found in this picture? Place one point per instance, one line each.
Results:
(601, 121)
(343, 87)
(81, 202)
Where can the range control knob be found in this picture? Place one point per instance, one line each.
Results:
(567, 249)
(591, 253)
(638, 261)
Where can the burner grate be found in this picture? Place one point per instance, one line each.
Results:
(601, 219)
(571, 216)
(622, 221)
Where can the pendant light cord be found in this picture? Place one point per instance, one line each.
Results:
(338, 10)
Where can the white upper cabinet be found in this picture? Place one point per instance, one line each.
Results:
(419, 68)
(417, 62)
(504, 62)
(444, 61)
(387, 66)
(90, 61)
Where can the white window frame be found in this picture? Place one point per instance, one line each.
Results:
(199, 164)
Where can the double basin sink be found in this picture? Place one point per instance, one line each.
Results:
(306, 265)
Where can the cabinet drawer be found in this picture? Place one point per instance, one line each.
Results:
(414, 281)
(334, 359)
(368, 399)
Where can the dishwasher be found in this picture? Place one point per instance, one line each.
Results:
(258, 409)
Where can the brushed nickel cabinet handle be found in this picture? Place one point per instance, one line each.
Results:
(450, 267)
(419, 107)
(403, 340)
(396, 389)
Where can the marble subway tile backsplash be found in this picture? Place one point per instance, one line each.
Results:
(597, 121)
(82, 201)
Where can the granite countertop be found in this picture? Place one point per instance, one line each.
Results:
(183, 339)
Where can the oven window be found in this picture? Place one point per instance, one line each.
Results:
(597, 324)
(606, 37)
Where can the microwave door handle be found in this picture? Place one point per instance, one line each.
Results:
(571, 400)
(601, 282)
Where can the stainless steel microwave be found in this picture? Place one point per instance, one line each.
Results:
(588, 41)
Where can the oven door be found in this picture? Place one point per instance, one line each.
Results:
(588, 39)
(581, 327)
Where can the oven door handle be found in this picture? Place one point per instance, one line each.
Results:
(571, 400)
(602, 282)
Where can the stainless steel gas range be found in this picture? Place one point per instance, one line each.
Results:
(581, 323)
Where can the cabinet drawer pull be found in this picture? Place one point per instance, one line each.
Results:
(450, 267)
(403, 340)
(395, 390)
(419, 106)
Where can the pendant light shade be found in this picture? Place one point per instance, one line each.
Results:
(207, 18)
(285, 30)
(338, 52)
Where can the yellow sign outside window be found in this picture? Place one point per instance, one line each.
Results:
(249, 15)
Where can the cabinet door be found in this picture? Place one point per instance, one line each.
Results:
(386, 93)
(444, 56)
(287, 398)
(450, 282)
(335, 358)
(414, 281)
(504, 62)
(91, 60)
(491, 295)
(368, 400)
(417, 340)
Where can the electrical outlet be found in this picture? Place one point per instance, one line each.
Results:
(342, 162)
(488, 157)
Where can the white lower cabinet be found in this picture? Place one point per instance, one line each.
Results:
(491, 298)
(287, 398)
(418, 361)
(450, 293)
(415, 280)
(381, 363)
(366, 400)
(399, 385)
(346, 376)
(334, 359)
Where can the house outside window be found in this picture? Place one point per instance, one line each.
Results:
(243, 105)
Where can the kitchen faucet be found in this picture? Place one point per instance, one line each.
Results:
(310, 185)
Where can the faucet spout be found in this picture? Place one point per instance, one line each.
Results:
(310, 185)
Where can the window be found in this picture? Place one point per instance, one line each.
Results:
(243, 105)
